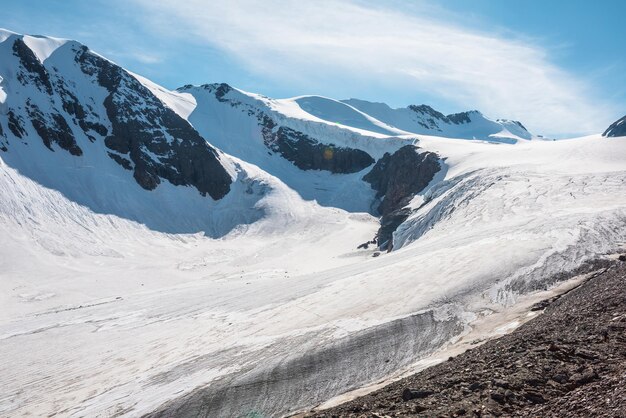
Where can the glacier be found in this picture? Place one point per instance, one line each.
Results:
(119, 300)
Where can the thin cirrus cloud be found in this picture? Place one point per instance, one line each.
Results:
(348, 42)
(145, 58)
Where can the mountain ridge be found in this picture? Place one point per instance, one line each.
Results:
(617, 128)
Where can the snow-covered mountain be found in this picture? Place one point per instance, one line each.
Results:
(423, 119)
(75, 122)
(75, 101)
(197, 251)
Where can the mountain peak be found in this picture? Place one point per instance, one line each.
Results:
(42, 46)
(617, 128)
(59, 93)
(423, 119)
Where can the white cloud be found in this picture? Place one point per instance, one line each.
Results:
(348, 41)
(146, 58)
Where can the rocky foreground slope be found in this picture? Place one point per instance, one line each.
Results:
(570, 361)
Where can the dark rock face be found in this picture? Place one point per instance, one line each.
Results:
(459, 118)
(304, 151)
(433, 117)
(2, 143)
(50, 127)
(518, 123)
(158, 142)
(35, 71)
(427, 110)
(148, 138)
(221, 91)
(618, 128)
(308, 154)
(401, 174)
(53, 128)
(74, 108)
(388, 225)
(397, 178)
(16, 125)
(121, 161)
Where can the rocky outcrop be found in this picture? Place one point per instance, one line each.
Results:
(84, 118)
(431, 119)
(50, 126)
(16, 124)
(617, 128)
(53, 128)
(460, 118)
(304, 151)
(159, 143)
(35, 72)
(222, 90)
(397, 178)
(3, 146)
(308, 154)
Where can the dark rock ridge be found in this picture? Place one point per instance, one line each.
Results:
(159, 143)
(432, 116)
(143, 134)
(53, 128)
(304, 151)
(3, 146)
(617, 128)
(16, 124)
(518, 123)
(34, 72)
(222, 90)
(432, 119)
(397, 178)
(308, 154)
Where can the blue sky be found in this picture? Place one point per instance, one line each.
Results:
(557, 66)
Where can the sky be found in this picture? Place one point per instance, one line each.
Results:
(558, 66)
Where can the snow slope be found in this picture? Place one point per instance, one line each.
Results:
(131, 301)
(74, 157)
(425, 120)
(233, 122)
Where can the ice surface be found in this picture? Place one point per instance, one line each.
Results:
(119, 317)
